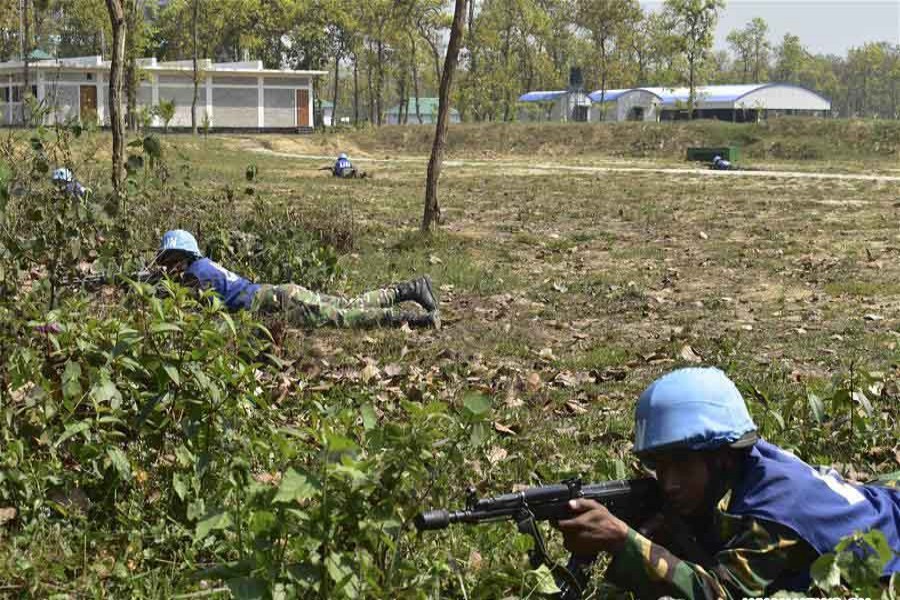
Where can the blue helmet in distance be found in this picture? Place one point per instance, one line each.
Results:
(62, 175)
(181, 240)
(342, 155)
(694, 409)
(717, 158)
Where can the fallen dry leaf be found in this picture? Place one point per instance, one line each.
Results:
(475, 561)
(496, 454)
(533, 383)
(501, 428)
(393, 370)
(267, 478)
(565, 379)
(575, 407)
(687, 353)
(547, 354)
(7, 515)
(515, 402)
(703, 235)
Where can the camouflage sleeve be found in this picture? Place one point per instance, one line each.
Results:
(760, 554)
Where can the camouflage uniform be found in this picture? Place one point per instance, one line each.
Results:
(754, 562)
(304, 308)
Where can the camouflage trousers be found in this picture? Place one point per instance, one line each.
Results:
(305, 308)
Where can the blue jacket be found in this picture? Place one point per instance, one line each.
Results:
(236, 292)
(341, 166)
(818, 506)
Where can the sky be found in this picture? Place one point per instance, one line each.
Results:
(824, 26)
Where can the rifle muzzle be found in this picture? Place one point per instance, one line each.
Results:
(432, 519)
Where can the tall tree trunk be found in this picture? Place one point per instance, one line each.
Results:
(432, 215)
(371, 97)
(505, 52)
(26, 58)
(355, 89)
(334, 95)
(415, 75)
(195, 15)
(379, 79)
(116, 120)
(134, 13)
(690, 89)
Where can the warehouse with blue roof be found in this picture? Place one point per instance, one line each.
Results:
(738, 103)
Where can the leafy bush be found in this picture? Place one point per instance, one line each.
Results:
(165, 110)
(272, 245)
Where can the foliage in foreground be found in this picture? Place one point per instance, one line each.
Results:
(154, 444)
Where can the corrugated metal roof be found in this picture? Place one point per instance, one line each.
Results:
(704, 93)
(608, 96)
(670, 96)
(542, 96)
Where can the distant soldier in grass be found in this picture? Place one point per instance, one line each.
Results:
(744, 518)
(181, 256)
(720, 164)
(344, 168)
(65, 181)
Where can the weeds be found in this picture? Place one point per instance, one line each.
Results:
(155, 445)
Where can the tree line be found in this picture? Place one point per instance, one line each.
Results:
(380, 52)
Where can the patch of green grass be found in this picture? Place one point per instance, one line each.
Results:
(597, 356)
(862, 289)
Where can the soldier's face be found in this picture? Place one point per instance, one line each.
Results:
(684, 477)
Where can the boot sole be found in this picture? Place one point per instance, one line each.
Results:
(430, 289)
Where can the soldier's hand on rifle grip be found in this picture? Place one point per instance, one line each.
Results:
(594, 529)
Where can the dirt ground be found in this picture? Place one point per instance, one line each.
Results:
(601, 277)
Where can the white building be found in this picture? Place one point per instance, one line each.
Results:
(739, 103)
(558, 105)
(236, 95)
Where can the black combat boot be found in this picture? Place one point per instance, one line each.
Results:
(418, 290)
(415, 320)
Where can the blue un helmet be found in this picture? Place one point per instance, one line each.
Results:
(62, 176)
(694, 409)
(179, 239)
(342, 156)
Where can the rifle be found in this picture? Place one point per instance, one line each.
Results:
(631, 500)
(94, 282)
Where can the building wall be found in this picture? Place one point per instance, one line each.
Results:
(280, 107)
(639, 99)
(601, 113)
(234, 99)
(66, 99)
(235, 107)
(183, 95)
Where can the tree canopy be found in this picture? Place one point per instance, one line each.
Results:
(382, 53)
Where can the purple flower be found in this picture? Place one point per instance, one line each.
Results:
(48, 328)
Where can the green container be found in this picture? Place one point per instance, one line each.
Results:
(729, 153)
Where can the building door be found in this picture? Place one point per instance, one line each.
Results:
(636, 113)
(88, 102)
(302, 108)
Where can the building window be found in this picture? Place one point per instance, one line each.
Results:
(4, 94)
(90, 76)
(34, 90)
